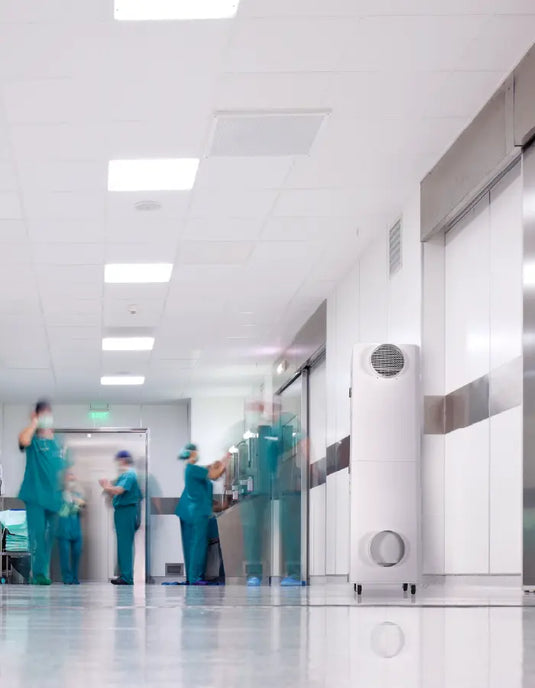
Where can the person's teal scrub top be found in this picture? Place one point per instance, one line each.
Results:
(196, 499)
(132, 493)
(42, 483)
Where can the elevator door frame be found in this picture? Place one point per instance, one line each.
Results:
(144, 486)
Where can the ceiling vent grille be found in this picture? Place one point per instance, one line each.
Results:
(394, 248)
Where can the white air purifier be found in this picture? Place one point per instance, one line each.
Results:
(385, 466)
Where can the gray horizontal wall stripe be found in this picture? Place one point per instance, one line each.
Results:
(483, 398)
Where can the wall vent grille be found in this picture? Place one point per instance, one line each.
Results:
(174, 569)
(394, 248)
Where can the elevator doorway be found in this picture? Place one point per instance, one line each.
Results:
(91, 453)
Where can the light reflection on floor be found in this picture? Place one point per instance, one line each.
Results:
(101, 636)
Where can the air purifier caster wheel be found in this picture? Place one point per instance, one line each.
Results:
(358, 589)
(413, 590)
(405, 587)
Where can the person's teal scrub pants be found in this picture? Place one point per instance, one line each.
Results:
(70, 547)
(255, 513)
(125, 527)
(41, 533)
(195, 546)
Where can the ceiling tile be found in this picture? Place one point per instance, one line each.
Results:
(500, 44)
(287, 44)
(115, 361)
(71, 275)
(152, 99)
(67, 254)
(299, 8)
(59, 142)
(232, 203)
(223, 229)
(55, 11)
(118, 313)
(66, 231)
(65, 205)
(122, 206)
(52, 101)
(244, 173)
(316, 203)
(12, 231)
(141, 253)
(132, 293)
(277, 91)
(215, 252)
(72, 312)
(401, 43)
(10, 208)
(8, 181)
(53, 176)
(15, 254)
(308, 229)
(275, 252)
(438, 8)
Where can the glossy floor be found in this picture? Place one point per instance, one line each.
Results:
(227, 637)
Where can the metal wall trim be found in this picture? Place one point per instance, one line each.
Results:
(528, 376)
(307, 344)
(304, 458)
(484, 149)
(489, 395)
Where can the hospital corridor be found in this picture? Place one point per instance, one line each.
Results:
(267, 343)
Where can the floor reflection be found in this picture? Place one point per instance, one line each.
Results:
(63, 637)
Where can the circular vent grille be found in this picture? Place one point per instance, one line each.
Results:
(388, 360)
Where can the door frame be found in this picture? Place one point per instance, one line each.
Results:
(125, 431)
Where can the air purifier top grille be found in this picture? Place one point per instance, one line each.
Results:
(388, 360)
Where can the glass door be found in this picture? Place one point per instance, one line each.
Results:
(290, 492)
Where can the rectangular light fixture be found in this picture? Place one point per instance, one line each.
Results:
(173, 10)
(117, 380)
(158, 174)
(127, 343)
(137, 273)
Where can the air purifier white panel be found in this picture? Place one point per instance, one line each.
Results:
(384, 416)
(384, 519)
(385, 465)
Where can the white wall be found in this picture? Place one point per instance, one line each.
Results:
(483, 328)
(366, 305)
(317, 389)
(216, 424)
(469, 324)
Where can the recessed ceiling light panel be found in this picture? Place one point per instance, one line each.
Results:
(127, 343)
(119, 380)
(152, 174)
(169, 10)
(137, 273)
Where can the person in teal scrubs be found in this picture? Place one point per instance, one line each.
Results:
(195, 510)
(127, 514)
(70, 530)
(41, 488)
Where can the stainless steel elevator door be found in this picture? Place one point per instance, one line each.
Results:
(93, 457)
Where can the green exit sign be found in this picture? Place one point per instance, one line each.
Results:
(99, 415)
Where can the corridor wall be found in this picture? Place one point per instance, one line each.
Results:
(469, 326)
(366, 305)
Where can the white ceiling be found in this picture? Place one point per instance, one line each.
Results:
(254, 240)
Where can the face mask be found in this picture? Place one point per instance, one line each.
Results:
(71, 484)
(45, 421)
